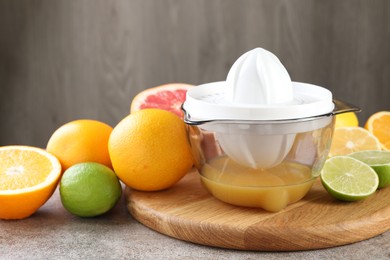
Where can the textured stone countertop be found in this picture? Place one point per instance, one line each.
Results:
(53, 233)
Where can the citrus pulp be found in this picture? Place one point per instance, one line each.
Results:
(347, 140)
(168, 97)
(379, 125)
(379, 161)
(28, 178)
(346, 178)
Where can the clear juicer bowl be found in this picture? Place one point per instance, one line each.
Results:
(274, 186)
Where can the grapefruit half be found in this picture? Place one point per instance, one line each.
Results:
(168, 97)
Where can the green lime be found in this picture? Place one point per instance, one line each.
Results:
(379, 161)
(346, 178)
(89, 189)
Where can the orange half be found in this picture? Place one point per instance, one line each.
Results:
(351, 139)
(379, 125)
(28, 178)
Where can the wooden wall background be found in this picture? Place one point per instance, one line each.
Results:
(62, 60)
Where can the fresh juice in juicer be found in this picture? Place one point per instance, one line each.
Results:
(271, 188)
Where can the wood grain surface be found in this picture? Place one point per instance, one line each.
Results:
(63, 60)
(188, 212)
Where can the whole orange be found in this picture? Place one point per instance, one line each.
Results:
(149, 150)
(81, 141)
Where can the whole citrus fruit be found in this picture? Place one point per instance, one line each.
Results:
(28, 178)
(81, 141)
(168, 97)
(89, 189)
(149, 150)
(346, 119)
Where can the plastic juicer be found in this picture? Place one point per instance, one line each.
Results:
(256, 126)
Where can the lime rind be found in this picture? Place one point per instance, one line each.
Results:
(383, 172)
(348, 179)
(89, 189)
(379, 161)
(372, 157)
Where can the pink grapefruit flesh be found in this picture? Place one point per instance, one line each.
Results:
(168, 97)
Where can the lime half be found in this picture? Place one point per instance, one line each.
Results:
(379, 161)
(348, 179)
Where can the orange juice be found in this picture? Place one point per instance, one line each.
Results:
(271, 189)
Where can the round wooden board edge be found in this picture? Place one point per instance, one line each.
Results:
(161, 224)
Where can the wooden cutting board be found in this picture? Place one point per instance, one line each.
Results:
(188, 212)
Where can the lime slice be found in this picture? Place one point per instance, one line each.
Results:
(346, 178)
(379, 161)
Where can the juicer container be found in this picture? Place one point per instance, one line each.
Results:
(264, 182)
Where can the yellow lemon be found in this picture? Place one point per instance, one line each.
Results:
(347, 119)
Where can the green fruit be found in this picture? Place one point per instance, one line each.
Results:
(379, 161)
(89, 189)
(348, 179)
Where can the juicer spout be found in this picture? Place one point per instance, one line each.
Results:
(341, 107)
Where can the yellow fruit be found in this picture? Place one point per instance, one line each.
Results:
(346, 119)
(379, 125)
(81, 141)
(149, 150)
(347, 140)
(28, 177)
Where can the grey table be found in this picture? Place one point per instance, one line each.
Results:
(53, 233)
